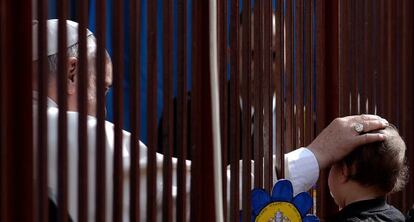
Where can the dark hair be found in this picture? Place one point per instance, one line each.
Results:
(380, 164)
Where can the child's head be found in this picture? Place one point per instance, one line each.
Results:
(377, 168)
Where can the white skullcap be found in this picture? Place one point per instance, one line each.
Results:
(52, 36)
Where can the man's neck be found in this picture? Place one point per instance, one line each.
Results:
(50, 101)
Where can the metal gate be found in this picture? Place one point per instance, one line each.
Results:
(300, 62)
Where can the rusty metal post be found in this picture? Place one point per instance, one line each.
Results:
(167, 131)
(182, 109)
(118, 70)
(202, 177)
(288, 46)
(101, 199)
(17, 199)
(327, 107)
(298, 72)
(234, 110)
(246, 108)
(268, 92)
(152, 110)
(42, 130)
(62, 117)
(82, 7)
(135, 43)
(223, 56)
(279, 80)
(258, 92)
(344, 60)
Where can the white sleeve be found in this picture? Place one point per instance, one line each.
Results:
(302, 169)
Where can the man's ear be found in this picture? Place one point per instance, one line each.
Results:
(72, 74)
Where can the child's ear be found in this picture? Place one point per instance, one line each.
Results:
(345, 173)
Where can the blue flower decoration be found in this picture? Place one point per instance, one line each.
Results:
(281, 205)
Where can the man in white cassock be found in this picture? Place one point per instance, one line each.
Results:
(302, 165)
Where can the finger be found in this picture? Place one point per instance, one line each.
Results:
(371, 125)
(374, 117)
(363, 117)
(369, 117)
(369, 138)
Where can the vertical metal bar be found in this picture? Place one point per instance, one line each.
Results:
(356, 57)
(387, 59)
(411, 55)
(223, 60)
(327, 104)
(118, 53)
(42, 131)
(16, 78)
(353, 62)
(344, 58)
(372, 54)
(182, 111)
(224, 87)
(167, 131)
(266, 123)
(308, 75)
(135, 77)
(246, 109)
(82, 7)
(320, 75)
(394, 74)
(314, 60)
(368, 40)
(307, 70)
(268, 94)
(298, 72)
(407, 81)
(381, 70)
(361, 56)
(288, 46)
(376, 57)
(63, 106)
(101, 61)
(332, 86)
(152, 109)
(202, 178)
(22, 121)
(402, 91)
(234, 111)
(359, 45)
(279, 73)
(393, 57)
(258, 93)
(3, 114)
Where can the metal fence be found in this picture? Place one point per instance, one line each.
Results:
(267, 76)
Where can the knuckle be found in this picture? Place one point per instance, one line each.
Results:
(339, 120)
(367, 124)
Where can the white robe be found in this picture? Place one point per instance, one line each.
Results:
(301, 167)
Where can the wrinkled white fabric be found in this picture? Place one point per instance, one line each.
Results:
(301, 167)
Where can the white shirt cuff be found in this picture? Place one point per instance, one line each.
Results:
(302, 169)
